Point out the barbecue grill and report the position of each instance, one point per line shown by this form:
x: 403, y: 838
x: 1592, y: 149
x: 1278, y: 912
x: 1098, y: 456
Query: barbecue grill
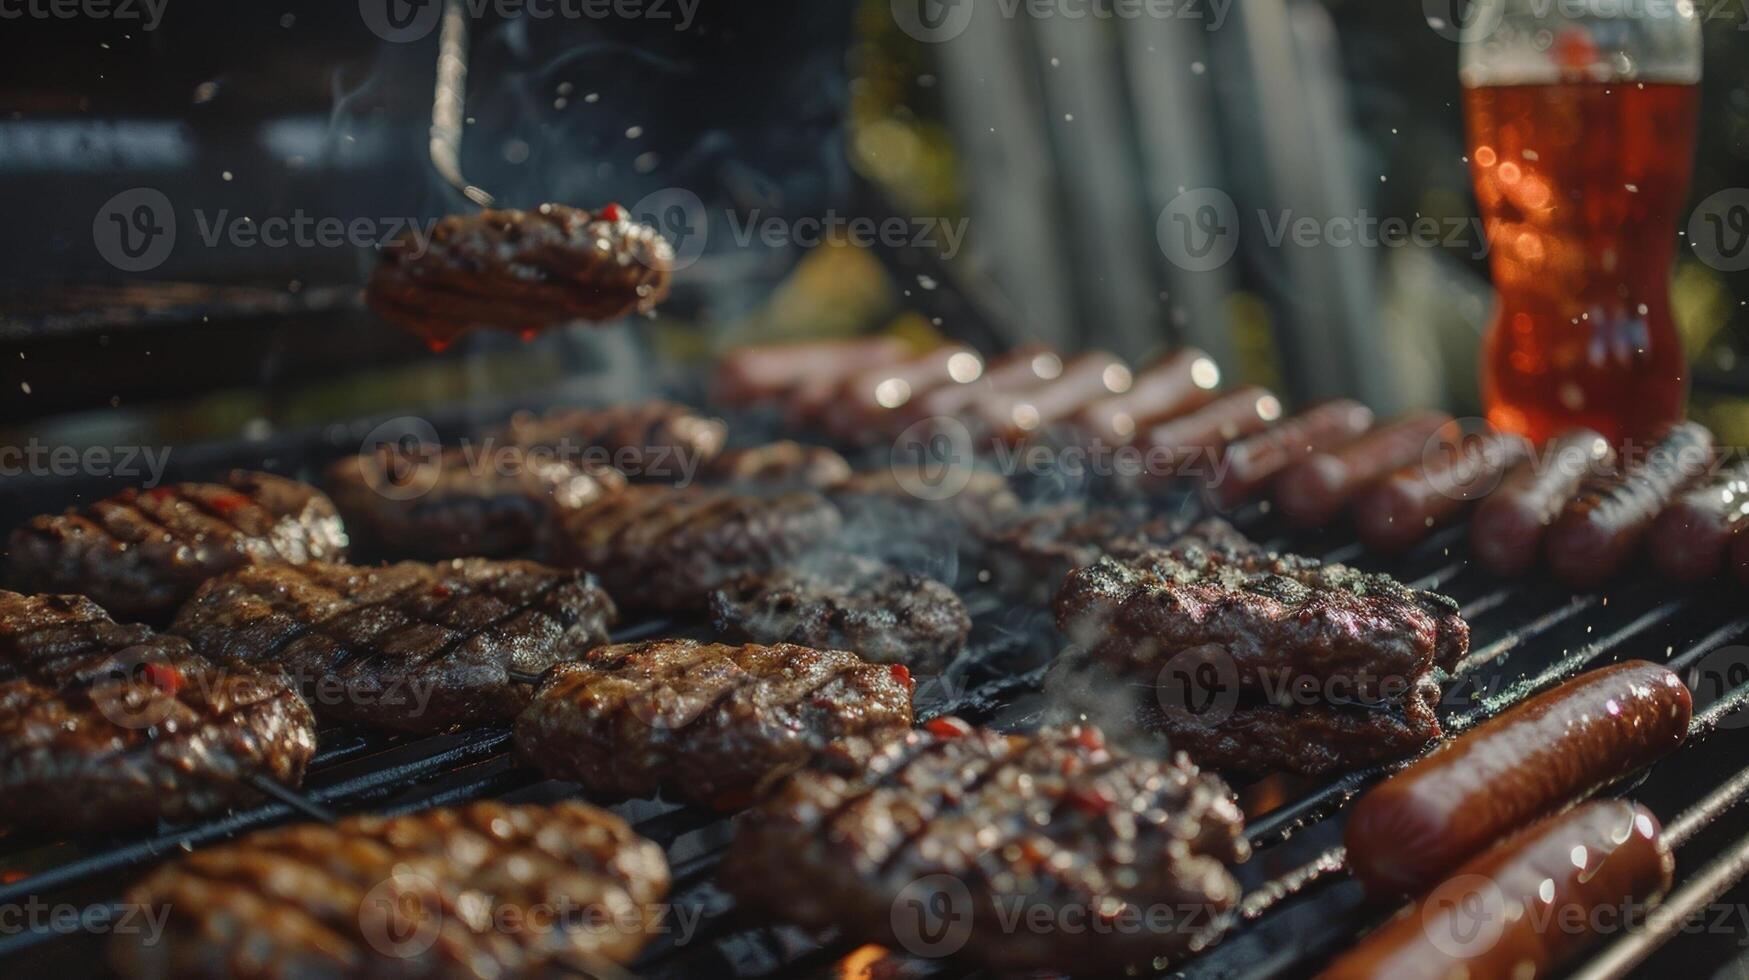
x: 1299, y: 908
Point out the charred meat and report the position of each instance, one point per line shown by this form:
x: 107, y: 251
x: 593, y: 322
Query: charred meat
x: 410, y: 647
x: 939, y: 840
x: 704, y: 722
x: 844, y: 602
x: 665, y: 549
x: 522, y: 271
x: 420, y: 896
x: 105, y: 726
x: 140, y: 553
x: 653, y: 441
x: 433, y: 503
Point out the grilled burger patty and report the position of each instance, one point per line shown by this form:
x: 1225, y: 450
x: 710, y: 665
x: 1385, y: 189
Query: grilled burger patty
x: 105, y: 726
x: 845, y: 602
x: 1273, y: 615
x: 940, y: 840
x: 521, y: 270
x: 410, y: 647
x: 140, y: 553
x: 493, y: 502
x: 484, y: 890
x: 652, y: 441
x: 1029, y: 556
x: 783, y: 464
x: 665, y: 549
x: 703, y: 722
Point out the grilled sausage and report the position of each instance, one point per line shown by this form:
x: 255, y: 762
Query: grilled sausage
x: 1507, y: 529
x: 1234, y: 415
x: 751, y: 375
x: 1508, y: 913
x: 1401, y: 509
x: 1415, y: 827
x: 1253, y: 461
x: 1601, y: 527
x: 1182, y: 382
x: 1313, y: 491
x: 1691, y: 538
x: 1085, y: 379
x: 862, y: 408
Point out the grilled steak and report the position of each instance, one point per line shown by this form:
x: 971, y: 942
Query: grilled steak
x: 654, y: 441
x: 105, y: 726
x: 1274, y: 615
x: 1028, y: 557
x: 1246, y: 731
x: 485, y: 890
x: 665, y: 549
x: 945, y: 840
x: 703, y: 722
x: 521, y: 271
x: 140, y: 553
x: 781, y: 465
x: 843, y: 602
x: 410, y: 647
x: 494, y: 502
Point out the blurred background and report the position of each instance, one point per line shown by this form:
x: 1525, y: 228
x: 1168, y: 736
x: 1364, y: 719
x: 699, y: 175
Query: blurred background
x: 995, y: 171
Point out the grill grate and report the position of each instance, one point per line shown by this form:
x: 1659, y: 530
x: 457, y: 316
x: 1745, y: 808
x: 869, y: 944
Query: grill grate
x: 1527, y: 637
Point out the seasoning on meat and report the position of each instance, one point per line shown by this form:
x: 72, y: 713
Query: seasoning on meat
x: 140, y: 553
x: 105, y: 726
x: 409, y: 647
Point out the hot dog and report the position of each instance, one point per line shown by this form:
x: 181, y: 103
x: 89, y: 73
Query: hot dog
x: 1402, y: 508
x: 1235, y: 415
x: 1313, y: 491
x: 1600, y: 528
x: 1252, y: 462
x: 1507, y: 530
x: 750, y: 375
x: 1086, y: 378
x: 1412, y: 829
x: 1691, y: 539
x: 862, y: 409
x: 1019, y: 369
x: 1511, y: 912
x: 1182, y: 382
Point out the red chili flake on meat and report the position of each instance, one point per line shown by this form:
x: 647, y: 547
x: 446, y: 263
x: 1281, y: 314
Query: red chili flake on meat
x: 613, y: 212
x: 160, y: 493
x: 948, y: 727
x: 903, y: 676
x: 1088, y: 800
x: 227, y: 503
x: 1091, y: 739
x: 440, y: 590
x: 163, y: 677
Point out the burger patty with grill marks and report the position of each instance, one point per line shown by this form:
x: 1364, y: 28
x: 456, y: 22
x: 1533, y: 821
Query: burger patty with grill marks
x: 704, y: 722
x: 664, y: 549
x: 141, y: 553
x: 105, y: 726
x: 850, y: 603
x: 453, y: 503
x: 936, y: 842
x: 410, y: 647
x: 484, y: 890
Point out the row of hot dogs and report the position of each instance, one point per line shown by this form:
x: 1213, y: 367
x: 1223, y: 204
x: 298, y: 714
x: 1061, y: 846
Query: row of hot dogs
x: 1584, y: 505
